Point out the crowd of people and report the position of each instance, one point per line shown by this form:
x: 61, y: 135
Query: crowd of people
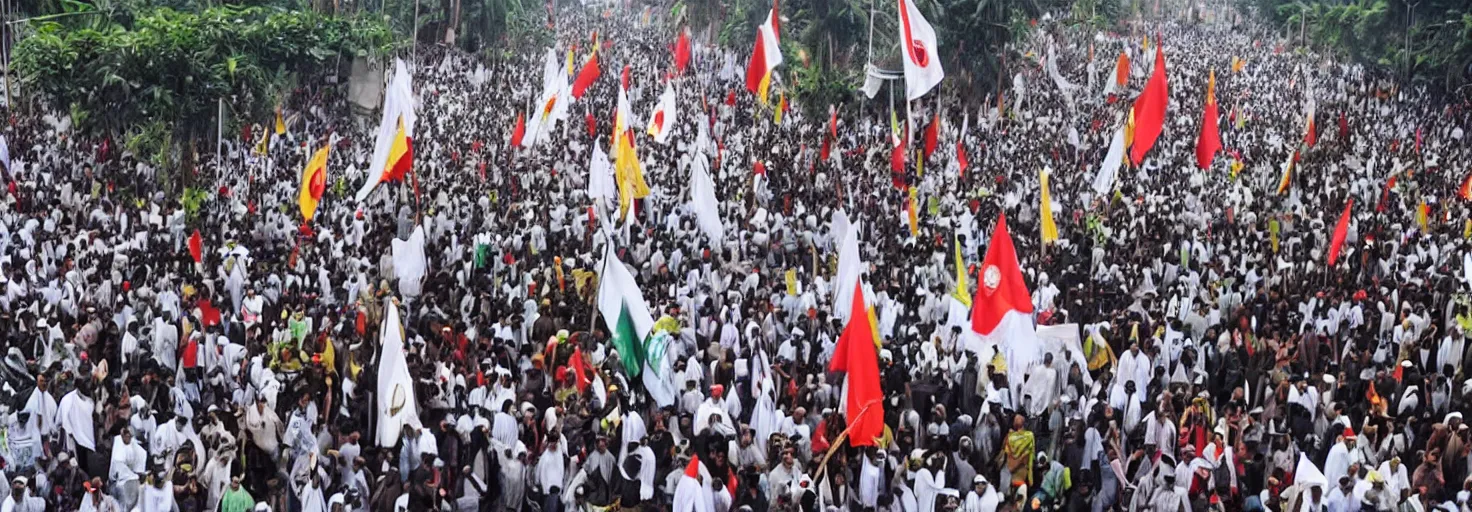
x: 441, y: 346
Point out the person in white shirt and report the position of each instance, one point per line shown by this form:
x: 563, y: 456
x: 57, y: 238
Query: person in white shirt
x: 97, y: 501
x: 20, y: 499
x: 74, y: 417
x: 128, y: 466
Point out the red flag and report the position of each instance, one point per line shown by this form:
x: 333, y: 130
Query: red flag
x: 1002, y: 289
x: 1465, y: 191
x: 592, y: 126
x: 759, y: 169
x: 777, y: 19
x: 932, y: 136
x: 961, y: 160
x: 1210, y: 140
x: 518, y: 132
x: 897, y: 157
x: 586, y: 77
x: 1310, y: 135
x: 827, y: 146
x: 857, y: 355
x: 623, y: 78
x: 209, y: 315
x: 1343, y: 127
x: 1340, y: 232
x: 682, y: 52
x: 1150, y: 109
x: 731, y: 98
x: 833, y: 122
x: 196, y: 247
x: 580, y: 368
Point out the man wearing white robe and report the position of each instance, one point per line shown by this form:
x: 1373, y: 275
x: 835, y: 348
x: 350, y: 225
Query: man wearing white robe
x: 982, y: 498
x: 74, y: 417
x: 929, y: 481
x: 1041, y: 387
x: 1341, y: 456
x: 871, y: 480
x: 43, y: 407
x: 128, y: 466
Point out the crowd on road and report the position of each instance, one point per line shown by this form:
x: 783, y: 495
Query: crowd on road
x: 447, y: 343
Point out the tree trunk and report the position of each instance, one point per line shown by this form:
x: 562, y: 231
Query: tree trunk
x: 452, y: 20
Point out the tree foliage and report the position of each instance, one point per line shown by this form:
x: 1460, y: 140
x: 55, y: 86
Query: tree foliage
x: 124, y: 72
x: 1429, y: 39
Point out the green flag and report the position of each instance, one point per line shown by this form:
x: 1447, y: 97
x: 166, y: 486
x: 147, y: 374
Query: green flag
x: 627, y: 342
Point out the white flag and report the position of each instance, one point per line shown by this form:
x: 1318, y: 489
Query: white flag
x: 922, y: 55
x: 601, y: 183
x: 1104, y: 181
x: 703, y: 200
x: 396, y: 405
x: 662, y: 121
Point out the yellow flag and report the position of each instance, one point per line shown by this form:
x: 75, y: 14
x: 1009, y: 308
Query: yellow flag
x: 914, y: 216
x: 1050, y: 230
x: 791, y: 277
x: 314, y: 184
x: 280, y: 122
x: 264, y: 145
x: 1237, y: 64
x: 1467, y: 229
x: 1273, y: 233
x: 766, y: 86
x: 1423, y: 216
x: 570, y: 63
x: 1129, y: 129
x: 781, y: 105
x: 963, y: 290
x: 628, y: 174
x: 1286, y: 181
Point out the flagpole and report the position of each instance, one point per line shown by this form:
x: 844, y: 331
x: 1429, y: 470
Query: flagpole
x: 602, y: 274
x: 219, y: 132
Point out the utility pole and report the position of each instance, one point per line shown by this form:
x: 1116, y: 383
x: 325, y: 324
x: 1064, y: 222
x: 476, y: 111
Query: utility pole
x: 6, y: 44
x: 414, y: 37
x: 1410, y: 19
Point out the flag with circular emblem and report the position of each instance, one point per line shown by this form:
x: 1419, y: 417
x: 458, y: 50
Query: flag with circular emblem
x: 314, y: 183
x: 922, y: 60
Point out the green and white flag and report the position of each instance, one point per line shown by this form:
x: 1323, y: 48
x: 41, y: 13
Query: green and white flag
x: 624, y: 312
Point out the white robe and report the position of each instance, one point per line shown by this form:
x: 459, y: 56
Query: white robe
x: 928, y: 487
x: 1337, y: 463
x: 74, y: 415
x: 690, y: 496
x: 983, y: 503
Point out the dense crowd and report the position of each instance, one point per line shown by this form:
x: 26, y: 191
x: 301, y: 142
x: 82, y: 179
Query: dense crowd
x: 1202, y: 353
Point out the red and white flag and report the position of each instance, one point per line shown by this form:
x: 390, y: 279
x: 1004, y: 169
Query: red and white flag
x: 922, y: 56
x: 767, y: 54
x: 1001, y: 315
x: 662, y: 120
